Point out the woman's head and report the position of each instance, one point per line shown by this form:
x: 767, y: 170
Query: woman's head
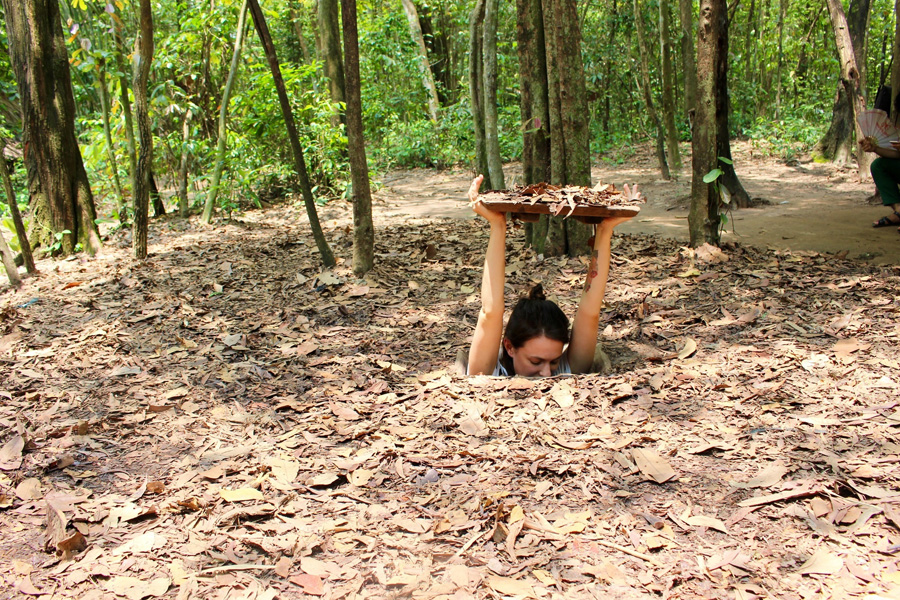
x: 536, y: 334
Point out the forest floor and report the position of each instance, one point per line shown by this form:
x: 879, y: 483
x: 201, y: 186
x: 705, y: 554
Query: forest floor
x: 228, y: 420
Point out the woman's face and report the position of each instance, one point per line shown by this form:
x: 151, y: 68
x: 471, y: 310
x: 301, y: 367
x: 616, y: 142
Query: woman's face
x: 537, y: 357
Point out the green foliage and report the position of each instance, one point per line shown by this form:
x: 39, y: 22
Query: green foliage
x: 786, y: 138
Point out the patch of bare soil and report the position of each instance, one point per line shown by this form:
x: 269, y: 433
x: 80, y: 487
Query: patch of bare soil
x: 802, y: 205
x: 227, y: 420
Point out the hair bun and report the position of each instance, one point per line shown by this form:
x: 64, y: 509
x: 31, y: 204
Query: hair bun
x: 537, y: 293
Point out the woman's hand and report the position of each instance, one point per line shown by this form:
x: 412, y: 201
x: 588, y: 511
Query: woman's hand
x: 493, y: 217
x: 632, y: 193
x: 867, y: 144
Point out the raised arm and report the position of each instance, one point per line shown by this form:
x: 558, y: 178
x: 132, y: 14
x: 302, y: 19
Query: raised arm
x: 868, y: 145
x: 489, y: 330
x: 583, y: 341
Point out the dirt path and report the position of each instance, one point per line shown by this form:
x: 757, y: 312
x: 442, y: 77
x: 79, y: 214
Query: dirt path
x: 812, y: 207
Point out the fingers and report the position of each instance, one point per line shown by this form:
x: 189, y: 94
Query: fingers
x: 632, y: 193
x: 473, y: 189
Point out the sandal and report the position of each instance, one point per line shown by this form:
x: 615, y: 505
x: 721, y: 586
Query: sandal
x: 886, y: 221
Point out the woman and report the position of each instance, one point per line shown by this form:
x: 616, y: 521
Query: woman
x: 536, y: 342
x: 886, y: 174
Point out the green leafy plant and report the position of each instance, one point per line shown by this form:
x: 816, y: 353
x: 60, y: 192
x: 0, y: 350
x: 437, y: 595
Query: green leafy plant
x: 724, y: 195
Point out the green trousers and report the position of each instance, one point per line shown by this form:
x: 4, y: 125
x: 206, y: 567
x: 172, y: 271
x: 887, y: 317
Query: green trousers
x: 886, y: 173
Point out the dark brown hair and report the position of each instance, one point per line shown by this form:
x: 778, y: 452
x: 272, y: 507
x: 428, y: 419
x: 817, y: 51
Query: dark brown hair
x: 535, y: 316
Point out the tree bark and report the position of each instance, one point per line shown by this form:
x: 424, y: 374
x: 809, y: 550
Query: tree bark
x: 688, y: 62
x: 330, y: 41
x: 143, y: 56
x: 851, y: 78
x: 668, y: 85
x: 837, y: 143
x: 476, y: 91
x: 533, y: 85
x: 895, y: 67
x: 491, y: 126
x: 21, y: 234
x: 363, y: 230
x: 704, y: 219
x: 61, y: 196
x: 299, y: 163
x: 183, y: 164
x: 213, y: 191
x: 9, y: 262
x: 412, y: 17
x: 570, y: 162
x: 120, y: 52
x: 110, y: 148
x: 298, y: 31
x: 647, y: 90
x: 782, y: 12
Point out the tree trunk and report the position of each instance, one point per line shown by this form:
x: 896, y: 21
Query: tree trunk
x: 223, y: 117
x: 491, y: 126
x: 330, y: 41
x: 298, y: 31
x: 647, y: 90
x: 782, y: 12
x: 668, y: 85
x: 9, y: 261
x: 688, y: 62
x: 120, y: 52
x: 363, y: 230
x: 895, y: 67
x: 183, y: 202
x: 851, y: 78
x: 143, y: 56
x: 476, y: 91
x: 412, y: 16
x: 27, y: 256
x: 837, y: 143
x: 704, y: 218
x: 110, y: 148
x: 61, y: 198
x: 533, y: 85
x: 570, y: 162
x: 299, y: 163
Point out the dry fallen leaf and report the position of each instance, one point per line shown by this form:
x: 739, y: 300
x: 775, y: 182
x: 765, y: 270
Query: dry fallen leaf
x: 652, y: 465
x: 511, y: 587
x: 709, y: 522
x: 822, y: 562
x: 241, y: 495
x: 11, y: 453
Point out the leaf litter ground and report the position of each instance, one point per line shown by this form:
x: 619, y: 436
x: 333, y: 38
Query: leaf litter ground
x: 226, y: 420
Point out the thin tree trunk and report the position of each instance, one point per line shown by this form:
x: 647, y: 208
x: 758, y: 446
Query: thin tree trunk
x: 782, y: 11
x: 895, y: 67
x: 412, y: 16
x: 668, y: 85
x: 491, y: 127
x: 647, y: 90
x: 213, y: 191
x: 330, y: 41
x: 27, y: 256
x: 120, y: 52
x: 850, y: 75
x: 568, y: 108
x: 110, y: 148
x: 688, y: 62
x: 363, y: 230
x: 534, y: 92
x: 183, y: 204
x: 61, y: 196
x: 704, y: 218
x: 9, y: 261
x: 299, y: 163
x: 837, y: 143
x: 143, y: 56
x: 298, y: 31
x: 476, y: 91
